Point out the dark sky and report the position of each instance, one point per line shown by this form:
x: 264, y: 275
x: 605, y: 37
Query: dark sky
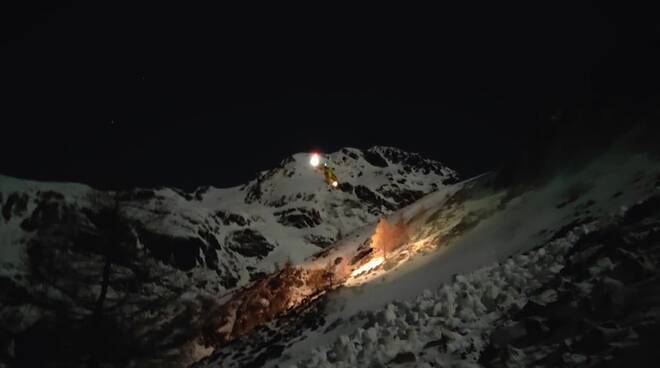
x: 151, y: 96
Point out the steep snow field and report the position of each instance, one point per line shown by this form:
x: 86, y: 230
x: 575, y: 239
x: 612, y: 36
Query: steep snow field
x: 175, y: 255
x: 237, y: 234
x: 472, y: 256
x: 466, y: 229
x: 458, y: 316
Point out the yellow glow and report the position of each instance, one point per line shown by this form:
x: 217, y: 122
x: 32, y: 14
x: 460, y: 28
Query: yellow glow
x: 375, y: 262
x: 334, y: 184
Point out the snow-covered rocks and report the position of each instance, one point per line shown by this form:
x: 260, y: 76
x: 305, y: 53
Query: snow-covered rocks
x: 286, y: 213
x: 601, y: 305
x: 451, y: 325
x: 174, y: 253
x: 470, y: 227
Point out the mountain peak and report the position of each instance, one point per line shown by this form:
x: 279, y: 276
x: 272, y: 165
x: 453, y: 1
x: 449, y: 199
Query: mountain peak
x: 211, y: 241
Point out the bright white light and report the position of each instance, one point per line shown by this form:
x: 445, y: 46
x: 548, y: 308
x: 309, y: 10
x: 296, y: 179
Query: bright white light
x: 315, y: 160
x: 373, y: 263
x: 334, y: 184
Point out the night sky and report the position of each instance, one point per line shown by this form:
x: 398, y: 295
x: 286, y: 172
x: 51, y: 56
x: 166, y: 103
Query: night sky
x: 150, y: 96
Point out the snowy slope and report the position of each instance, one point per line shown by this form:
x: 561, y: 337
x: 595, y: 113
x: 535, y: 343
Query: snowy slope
x: 17, y: 199
x: 288, y: 211
x: 295, y: 211
x: 203, y: 274
x: 174, y: 253
x: 389, y: 314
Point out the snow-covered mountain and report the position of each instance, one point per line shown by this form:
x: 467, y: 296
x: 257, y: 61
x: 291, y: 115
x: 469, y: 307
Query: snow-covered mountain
x: 171, y: 253
x: 401, y: 266
x: 486, y: 276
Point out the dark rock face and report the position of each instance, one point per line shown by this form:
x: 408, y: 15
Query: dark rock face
x: 16, y: 205
x: 451, y: 180
x: 138, y: 195
x: 45, y: 213
x: 363, y: 253
x: 280, y: 202
x: 232, y: 218
x: 210, y: 255
x: 286, y: 161
x: 49, y: 195
x: 187, y: 196
x: 642, y: 210
x: 199, y: 192
x: 249, y: 243
x: 402, y: 197
x: 253, y: 193
x: 52, y: 212
x: 182, y: 253
x: 604, y: 294
x: 404, y: 357
x: 350, y: 154
x: 254, y: 190
x: 228, y: 281
x: 439, y: 343
x: 375, y: 159
x: 363, y: 193
x: 299, y: 217
x: 409, y: 160
x: 320, y: 241
x: 346, y: 187
x: 373, y: 199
